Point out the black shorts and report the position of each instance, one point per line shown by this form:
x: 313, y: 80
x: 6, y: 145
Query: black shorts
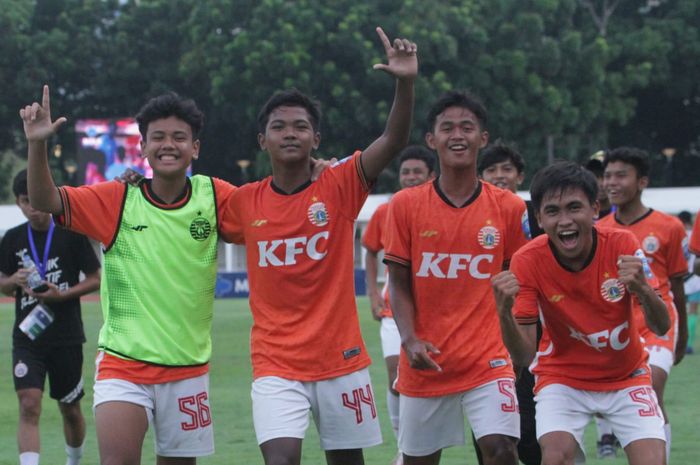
x: 64, y: 365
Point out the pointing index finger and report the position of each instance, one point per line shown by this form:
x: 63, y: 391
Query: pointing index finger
x: 45, y: 102
x: 384, y: 39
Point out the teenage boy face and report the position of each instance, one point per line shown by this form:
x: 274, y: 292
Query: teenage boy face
x: 457, y: 137
x: 32, y: 215
x: 289, y: 135
x: 567, y: 217
x: 169, y: 147
x: 413, y: 172
x: 503, y: 174
x: 621, y: 182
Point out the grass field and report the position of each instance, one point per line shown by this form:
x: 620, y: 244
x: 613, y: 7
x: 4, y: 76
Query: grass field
x: 230, y: 398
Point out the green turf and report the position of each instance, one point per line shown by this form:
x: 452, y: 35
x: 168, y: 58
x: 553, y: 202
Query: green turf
x: 230, y: 397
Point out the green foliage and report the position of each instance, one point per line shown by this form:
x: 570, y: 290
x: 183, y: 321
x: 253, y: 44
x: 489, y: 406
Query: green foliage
x: 546, y: 69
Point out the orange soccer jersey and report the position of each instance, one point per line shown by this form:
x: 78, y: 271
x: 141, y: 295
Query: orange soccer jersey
x: 300, y: 256
x: 662, y: 237
x: 373, y: 240
x: 590, y: 339
x: 452, y: 253
x: 95, y: 211
x: 695, y: 236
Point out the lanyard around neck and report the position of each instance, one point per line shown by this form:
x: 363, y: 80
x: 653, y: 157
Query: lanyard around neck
x: 41, y: 266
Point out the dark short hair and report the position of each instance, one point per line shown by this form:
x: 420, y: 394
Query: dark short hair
x: 632, y: 156
x: 290, y: 98
x: 498, y: 152
x: 19, y: 184
x: 457, y: 99
x: 561, y: 176
x: 167, y: 105
x: 685, y: 217
x: 418, y: 152
x: 595, y: 166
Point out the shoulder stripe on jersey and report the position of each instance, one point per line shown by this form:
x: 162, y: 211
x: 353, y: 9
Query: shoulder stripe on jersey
x: 66, y: 208
x: 107, y: 247
x: 398, y: 260
x: 361, y: 172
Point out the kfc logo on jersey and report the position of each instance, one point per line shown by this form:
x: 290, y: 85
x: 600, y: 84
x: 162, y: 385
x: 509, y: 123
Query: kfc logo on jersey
x: 489, y: 237
x: 612, y: 290
x: 606, y: 338
x: 650, y: 244
x: 446, y: 265
x: 318, y: 215
x: 290, y: 249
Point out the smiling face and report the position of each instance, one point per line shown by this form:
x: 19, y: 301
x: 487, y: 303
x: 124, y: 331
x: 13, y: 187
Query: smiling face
x: 622, y: 184
x: 567, y: 216
x: 413, y: 172
x: 504, y: 175
x: 457, y: 138
x: 169, y: 146
x: 289, y: 135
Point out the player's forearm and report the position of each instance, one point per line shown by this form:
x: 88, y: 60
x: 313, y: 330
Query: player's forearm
x: 679, y: 301
x: 521, y: 348
x: 43, y: 194
x: 401, y: 301
x: 655, y: 311
x: 371, y: 266
x: 696, y: 267
x: 7, y: 285
x: 396, y: 133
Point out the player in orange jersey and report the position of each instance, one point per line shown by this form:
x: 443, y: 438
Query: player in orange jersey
x: 581, y: 281
x: 445, y: 239
x: 306, y: 347
x: 416, y: 166
x: 694, y: 245
x: 663, y: 241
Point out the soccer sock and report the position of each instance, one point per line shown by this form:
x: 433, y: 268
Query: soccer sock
x: 692, y: 323
x: 603, y: 427
x: 74, y: 454
x: 667, y: 432
x: 29, y: 458
x: 392, y: 402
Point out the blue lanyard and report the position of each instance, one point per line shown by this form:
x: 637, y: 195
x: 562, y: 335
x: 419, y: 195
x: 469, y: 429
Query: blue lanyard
x: 41, y: 266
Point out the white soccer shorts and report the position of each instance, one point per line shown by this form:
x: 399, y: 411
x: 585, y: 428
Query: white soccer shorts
x: 390, y: 337
x: 343, y: 409
x: 178, y: 411
x: 429, y: 424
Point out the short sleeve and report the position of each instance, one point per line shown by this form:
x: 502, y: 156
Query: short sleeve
x: 352, y: 186
x: 526, y: 308
x: 230, y: 228
x: 8, y: 259
x: 677, y: 259
x: 93, y: 210
x: 372, y: 237
x: 694, y: 244
x: 397, y: 234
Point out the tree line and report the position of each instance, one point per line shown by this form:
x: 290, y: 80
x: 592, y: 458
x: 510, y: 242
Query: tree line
x: 561, y: 78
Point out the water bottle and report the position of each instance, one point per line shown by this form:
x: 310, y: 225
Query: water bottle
x: 34, y: 280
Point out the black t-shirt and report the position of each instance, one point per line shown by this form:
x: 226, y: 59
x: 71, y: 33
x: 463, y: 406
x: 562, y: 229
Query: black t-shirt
x: 69, y: 254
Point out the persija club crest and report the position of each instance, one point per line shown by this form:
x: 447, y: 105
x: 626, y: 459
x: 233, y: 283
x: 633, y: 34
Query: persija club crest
x: 650, y: 244
x: 489, y: 237
x: 317, y: 213
x: 612, y: 290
